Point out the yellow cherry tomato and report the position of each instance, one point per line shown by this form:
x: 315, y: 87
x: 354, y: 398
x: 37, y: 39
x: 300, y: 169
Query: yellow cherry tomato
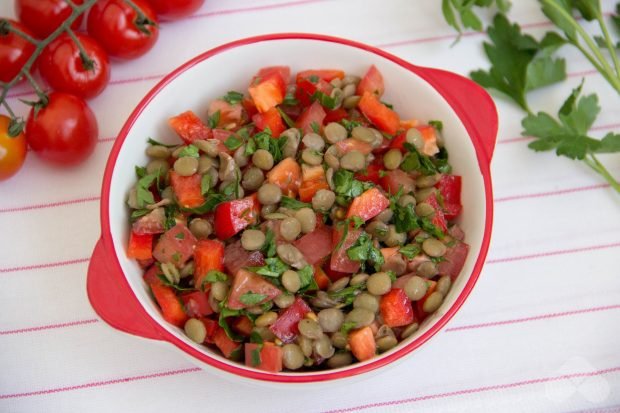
x: 12, y: 150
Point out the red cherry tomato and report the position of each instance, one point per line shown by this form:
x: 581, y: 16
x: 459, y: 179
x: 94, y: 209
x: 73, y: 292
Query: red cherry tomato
x: 175, y: 9
x: 44, y: 16
x: 112, y: 24
x: 62, y: 68
x: 12, y: 150
x: 63, y: 132
x: 14, y: 52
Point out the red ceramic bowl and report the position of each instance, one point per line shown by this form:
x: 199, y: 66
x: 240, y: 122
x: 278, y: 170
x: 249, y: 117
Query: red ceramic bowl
x: 115, y: 286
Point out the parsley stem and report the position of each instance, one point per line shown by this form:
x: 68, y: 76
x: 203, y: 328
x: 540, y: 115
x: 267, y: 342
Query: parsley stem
x: 610, y: 44
x: 608, y: 75
x: 599, y: 168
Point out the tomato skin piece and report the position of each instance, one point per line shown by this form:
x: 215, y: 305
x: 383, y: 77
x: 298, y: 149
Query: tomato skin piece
x: 187, y: 189
x: 111, y: 23
x: 287, y: 175
x: 335, y: 115
x: 245, y: 282
x: 267, y: 90
x: 454, y: 260
x: 229, y: 348
x: 449, y: 187
x: 285, y: 327
x: 270, y: 356
x: 316, y: 245
x: 283, y: 71
x: 270, y: 119
x: 175, y: 9
x: 396, y: 309
x: 392, y: 181
x: 439, y: 219
x: 371, y: 173
x: 62, y: 68
x: 196, y: 304
x: 384, y: 118
x: 175, y: 246
x: 140, y: 246
x: 362, y: 343
x: 340, y: 261
x: 12, y: 150
x: 368, y: 205
x: 312, y: 114
x: 326, y: 74
x: 229, y: 114
x: 189, y: 127
x: 169, y: 303
x: 42, y: 17
x: 14, y: 52
x: 372, y: 82
x: 208, y: 255
x: 64, y: 132
x: 233, y: 216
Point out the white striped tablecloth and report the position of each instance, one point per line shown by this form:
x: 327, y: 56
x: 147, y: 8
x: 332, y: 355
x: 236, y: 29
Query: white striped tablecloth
x: 540, y: 333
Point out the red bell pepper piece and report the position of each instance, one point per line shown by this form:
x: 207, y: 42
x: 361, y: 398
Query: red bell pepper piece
x: 372, y: 82
x: 268, y: 90
x: 312, y: 115
x: 169, y: 303
x: 196, y: 304
x: 211, y: 326
x: 187, y: 189
x: 267, y: 357
x: 371, y: 173
x: 208, y: 255
x: 396, y: 309
x: 368, y: 205
x: 243, y: 325
x: 380, y: 115
x: 362, y: 343
x: 285, y: 327
x: 335, y: 115
x: 140, y: 246
x: 322, y: 280
x: 189, y: 127
x: 450, y: 189
x: 229, y: 348
x: 270, y: 119
x: 233, y: 216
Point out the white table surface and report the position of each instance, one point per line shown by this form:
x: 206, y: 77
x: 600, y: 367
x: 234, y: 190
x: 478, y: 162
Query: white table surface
x: 540, y: 332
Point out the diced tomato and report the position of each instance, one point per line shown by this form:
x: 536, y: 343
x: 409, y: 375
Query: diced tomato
x: 307, y: 87
x: 140, y: 246
x: 187, y: 189
x: 211, y: 326
x: 326, y: 74
x: 243, y: 325
x: 283, y: 71
x: 372, y: 82
x: 152, y: 275
x: 322, y: 280
x: 267, y: 90
x: 392, y: 181
x: 362, y: 343
x: 378, y: 114
x: 270, y: 119
x: 312, y: 115
x: 267, y: 357
x: 237, y: 257
x: 368, y: 205
x: 450, y: 189
x: 350, y: 144
x: 287, y: 175
x: 285, y: 327
x: 169, y: 303
x: 439, y: 220
x: 340, y: 261
x: 196, y: 304
x: 332, y: 274
x: 249, y: 106
x: 176, y: 246
x: 189, y: 127
x: 247, y: 282
x: 371, y: 173
x: 316, y: 245
x: 396, y: 309
x: 432, y: 286
x: 389, y: 252
x: 335, y: 115
x: 429, y: 135
x: 208, y: 256
x: 229, y: 348
x: 398, y: 142
x: 229, y: 114
x: 233, y: 216
x: 454, y: 260
x: 313, y: 181
x: 221, y: 135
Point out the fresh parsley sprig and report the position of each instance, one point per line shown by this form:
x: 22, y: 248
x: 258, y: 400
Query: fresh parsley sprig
x: 460, y: 13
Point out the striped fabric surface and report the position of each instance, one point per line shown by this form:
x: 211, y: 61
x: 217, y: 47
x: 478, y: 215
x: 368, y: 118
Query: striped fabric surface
x: 540, y: 333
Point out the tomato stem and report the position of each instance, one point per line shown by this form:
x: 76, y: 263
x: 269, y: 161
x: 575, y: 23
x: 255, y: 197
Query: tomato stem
x: 141, y: 21
x: 87, y: 62
x: 43, y: 99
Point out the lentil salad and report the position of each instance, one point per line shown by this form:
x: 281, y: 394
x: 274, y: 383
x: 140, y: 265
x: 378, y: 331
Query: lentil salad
x: 304, y: 226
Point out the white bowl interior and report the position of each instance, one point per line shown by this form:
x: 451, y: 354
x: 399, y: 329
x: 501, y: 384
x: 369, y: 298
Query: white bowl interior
x: 232, y: 69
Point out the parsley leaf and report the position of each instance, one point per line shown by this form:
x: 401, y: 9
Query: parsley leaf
x: 140, y: 171
x: 348, y: 326
x: 269, y: 247
x: 255, y: 355
x: 205, y: 184
x: 292, y: 203
x: 306, y: 275
x: 171, y: 212
x: 189, y: 150
x: 251, y: 298
x: 143, y: 194
x: 139, y: 213
x: 346, y: 185
x: 289, y: 122
x: 214, y: 120
x: 264, y: 140
x: 437, y: 124
x: 364, y: 250
x: 157, y: 143
x: 347, y: 295
x: 233, y: 97
x: 290, y: 100
x: 233, y: 142
x: 410, y: 250
x: 349, y: 125
x: 213, y: 276
x: 274, y: 267
x: 316, y: 128
x: 519, y: 63
x: 225, y: 313
x: 211, y: 202
x: 459, y: 13
x: 325, y: 101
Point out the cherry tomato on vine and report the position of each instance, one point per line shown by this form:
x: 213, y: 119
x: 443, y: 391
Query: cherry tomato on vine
x: 12, y: 150
x: 62, y: 67
x: 44, y: 16
x: 14, y: 51
x: 113, y: 24
x: 64, y: 131
x: 175, y: 9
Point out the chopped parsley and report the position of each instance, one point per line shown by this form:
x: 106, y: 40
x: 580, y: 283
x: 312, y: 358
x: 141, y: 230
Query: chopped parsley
x: 316, y: 128
x: 144, y: 195
x: 364, y: 250
x: 157, y: 143
x: 274, y: 267
x: 348, y: 326
x: 233, y: 97
x: 214, y: 120
x: 410, y: 250
x: 205, y: 184
x: 269, y: 247
x: 233, y: 142
x: 350, y: 124
x: 437, y: 124
x: 346, y: 185
x: 292, y: 203
x: 289, y: 122
x: 251, y: 298
x: 211, y: 202
x: 189, y: 150
x: 306, y: 275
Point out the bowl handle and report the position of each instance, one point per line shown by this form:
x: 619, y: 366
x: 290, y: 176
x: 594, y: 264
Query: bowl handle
x: 112, y: 298
x: 473, y: 105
